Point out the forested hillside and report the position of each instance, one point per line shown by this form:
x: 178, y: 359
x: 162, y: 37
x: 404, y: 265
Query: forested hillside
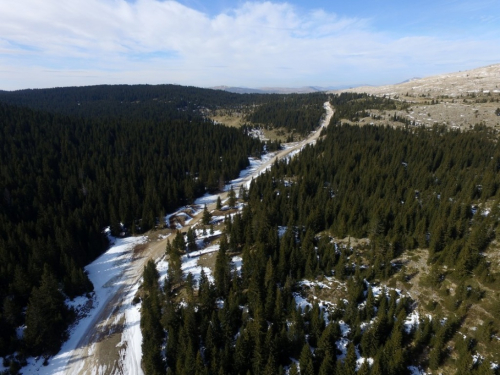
x: 64, y: 179
x: 299, y: 113
x: 169, y: 102
x: 144, y: 102
x: 402, y: 189
x: 295, y: 113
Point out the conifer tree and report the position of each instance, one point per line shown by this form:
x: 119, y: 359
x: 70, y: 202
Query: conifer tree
x: 436, y: 353
x: 179, y: 243
x: 232, y: 197
x: 377, y: 368
x: 328, y: 365
x: 306, y: 361
x: 222, y: 272
x: 207, y: 216
x: 45, y: 316
x: 364, y: 369
x: 464, y: 363
x: 174, y: 271
x: 200, y: 368
x: 150, y: 324
x: 294, y: 370
x: 191, y: 240
x: 350, y: 360
x: 243, y: 194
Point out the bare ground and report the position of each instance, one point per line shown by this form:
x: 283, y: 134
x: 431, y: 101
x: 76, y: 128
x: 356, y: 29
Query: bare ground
x: 454, y: 85
x: 457, y: 100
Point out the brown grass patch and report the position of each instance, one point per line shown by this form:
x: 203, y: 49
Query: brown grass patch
x: 235, y: 120
x: 278, y: 134
x: 208, y: 260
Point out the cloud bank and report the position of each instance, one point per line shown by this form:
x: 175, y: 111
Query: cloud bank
x: 83, y: 42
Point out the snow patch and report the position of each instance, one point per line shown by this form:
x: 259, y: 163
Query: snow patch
x: 301, y: 301
x: 477, y: 358
x: 237, y: 262
x: 361, y: 360
x: 282, y: 231
x: 311, y: 284
x: 344, y: 328
x: 416, y: 370
x: 131, y: 340
x: 411, y: 321
x: 342, y: 347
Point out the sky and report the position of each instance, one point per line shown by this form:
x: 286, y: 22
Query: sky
x: 54, y: 43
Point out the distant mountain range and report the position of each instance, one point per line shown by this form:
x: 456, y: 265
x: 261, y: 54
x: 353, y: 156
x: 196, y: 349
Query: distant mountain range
x: 483, y: 79
x: 280, y: 90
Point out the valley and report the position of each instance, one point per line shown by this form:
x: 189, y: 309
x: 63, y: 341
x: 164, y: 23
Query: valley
x: 249, y: 187
x: 368, y: 246
x: 108, y: 340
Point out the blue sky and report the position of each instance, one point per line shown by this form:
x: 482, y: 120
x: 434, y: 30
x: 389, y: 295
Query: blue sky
x: 242, y: 43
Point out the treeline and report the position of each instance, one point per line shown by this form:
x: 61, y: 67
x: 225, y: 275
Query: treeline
x: 63, y: 180
x: 159, y: 102
x: 297, y: 113
x: 353, y: 107
x: 139, y: 102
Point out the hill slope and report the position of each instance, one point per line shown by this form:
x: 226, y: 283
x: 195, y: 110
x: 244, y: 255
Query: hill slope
x: 457, y: 100
x: 480, y: 80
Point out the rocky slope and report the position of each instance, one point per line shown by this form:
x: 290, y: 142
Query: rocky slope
x: 484, y: 80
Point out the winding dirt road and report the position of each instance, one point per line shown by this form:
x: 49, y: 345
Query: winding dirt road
x: 102, y: 349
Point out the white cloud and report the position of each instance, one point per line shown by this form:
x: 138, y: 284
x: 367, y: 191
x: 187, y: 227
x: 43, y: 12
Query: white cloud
x: 85, y: 42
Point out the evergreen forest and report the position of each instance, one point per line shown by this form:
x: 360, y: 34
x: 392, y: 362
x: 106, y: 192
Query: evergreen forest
x: 76, y: 160
x: 406, y: 190
x: 295, y: 113
x: 171, y: 102
x: 373, y: 251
